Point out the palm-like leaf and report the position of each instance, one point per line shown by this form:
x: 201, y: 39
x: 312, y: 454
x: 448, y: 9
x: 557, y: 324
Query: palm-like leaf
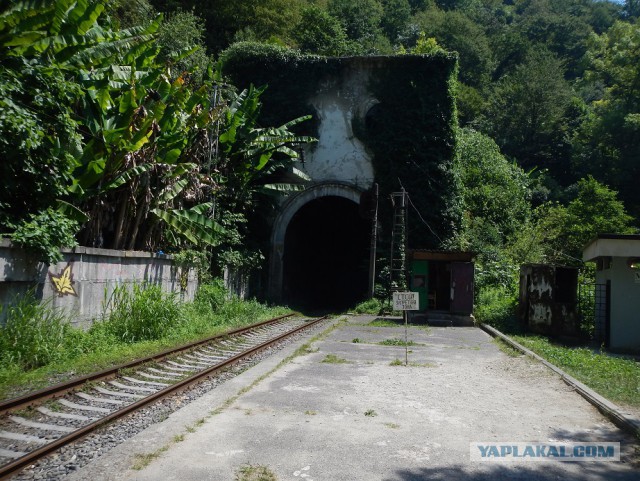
x: 192, y: 225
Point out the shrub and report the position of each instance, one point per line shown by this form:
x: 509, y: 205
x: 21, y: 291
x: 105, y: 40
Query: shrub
x: 370, y: 306
x: 141, y: 313
x: 45, y: 233
x: 212, y: 295
x: 496, y: 306
x: 34, y: 333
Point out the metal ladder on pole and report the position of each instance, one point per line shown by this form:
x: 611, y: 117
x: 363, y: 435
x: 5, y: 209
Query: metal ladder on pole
x: 397, y: 260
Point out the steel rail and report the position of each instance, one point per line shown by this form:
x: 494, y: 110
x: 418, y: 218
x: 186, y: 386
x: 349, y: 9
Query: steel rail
x: 59, y: 390
x: 19, y: 464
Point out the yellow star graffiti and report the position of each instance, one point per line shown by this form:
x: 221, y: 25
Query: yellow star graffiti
x: 63, y: 284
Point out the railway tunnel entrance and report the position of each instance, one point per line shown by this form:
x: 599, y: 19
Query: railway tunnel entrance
x: 326, y: 255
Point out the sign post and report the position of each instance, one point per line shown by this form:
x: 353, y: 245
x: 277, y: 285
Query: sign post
x: 405, y: 301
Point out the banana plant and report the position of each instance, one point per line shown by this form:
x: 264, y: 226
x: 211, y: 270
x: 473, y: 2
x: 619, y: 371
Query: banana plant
x: 143, y: 173
x: 252, y: 155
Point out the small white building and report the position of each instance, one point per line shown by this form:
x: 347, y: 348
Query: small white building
x: 617, y: 259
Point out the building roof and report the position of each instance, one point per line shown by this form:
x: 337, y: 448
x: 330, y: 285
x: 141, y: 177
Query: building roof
x: 612, y: 245
x: 441, y: 255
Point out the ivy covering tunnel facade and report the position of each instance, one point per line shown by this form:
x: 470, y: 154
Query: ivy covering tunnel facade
x: 409, y: 131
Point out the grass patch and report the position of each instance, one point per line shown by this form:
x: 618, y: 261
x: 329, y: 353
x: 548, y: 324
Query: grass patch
x: 370, y: 413
x: 333, y: 359
x: 396, y: 362
x: 356, y: 341
x: 506, y: 348
x: 392, y: 425
x: 141, y: 461
x: 33, y: 335
x: 616, y: 378
x: 310, y: 413
x: 49, y: 350
x: 396, y: 342
x: 255, y: 473
x: 370, y: 306
x: 305, y: 349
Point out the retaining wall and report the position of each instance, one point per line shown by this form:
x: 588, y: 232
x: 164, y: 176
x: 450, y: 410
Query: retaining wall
x: 86, y: 277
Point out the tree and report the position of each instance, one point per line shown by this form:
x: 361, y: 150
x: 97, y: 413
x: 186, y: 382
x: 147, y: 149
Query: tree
x: 527, y: 113
x: 494, y: 188
x: 457, y: 32
x: 43, y: 46
x: 140, y: 159
x: 318, y: 32
x: 182, y: 32
x: 558, y: 233
x: 361, y: 20
x: 228, y: 21
x: 561, y: 27
x: 596, y: 210
x: 632, y: 8
x: 607, y: 142
x: 396, y: 14
x: 496, y: 204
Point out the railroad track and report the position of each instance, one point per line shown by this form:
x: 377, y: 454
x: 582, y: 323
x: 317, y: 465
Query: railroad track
x: 37, y: 424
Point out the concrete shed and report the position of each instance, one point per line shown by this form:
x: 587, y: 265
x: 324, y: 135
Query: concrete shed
x: 444, y: 281
x: 617, y: 259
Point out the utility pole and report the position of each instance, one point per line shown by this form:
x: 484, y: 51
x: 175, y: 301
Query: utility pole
x: 374, y: 243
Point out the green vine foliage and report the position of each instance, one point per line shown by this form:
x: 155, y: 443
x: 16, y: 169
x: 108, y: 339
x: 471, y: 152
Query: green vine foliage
x: 411, y: 131
x: 412, y: 134
x: 200, y: 260
x: 44, y: 233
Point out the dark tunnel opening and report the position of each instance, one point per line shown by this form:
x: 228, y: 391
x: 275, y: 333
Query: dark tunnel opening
x: 326, y: 256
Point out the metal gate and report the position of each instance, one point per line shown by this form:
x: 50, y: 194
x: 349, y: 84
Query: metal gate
x: 593, y: 310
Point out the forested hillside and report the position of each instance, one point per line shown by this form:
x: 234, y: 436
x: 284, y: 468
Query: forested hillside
x: 117, y: 130
x: 548, y: 100
x: 554, y: 83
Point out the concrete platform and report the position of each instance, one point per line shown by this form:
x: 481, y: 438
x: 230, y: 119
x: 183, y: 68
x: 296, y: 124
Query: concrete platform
x: 369, y: 419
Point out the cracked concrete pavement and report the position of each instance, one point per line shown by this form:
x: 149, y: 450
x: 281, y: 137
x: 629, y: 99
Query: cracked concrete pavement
x: 363, y: 417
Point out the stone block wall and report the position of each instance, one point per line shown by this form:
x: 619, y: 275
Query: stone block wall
x: 86, y: 277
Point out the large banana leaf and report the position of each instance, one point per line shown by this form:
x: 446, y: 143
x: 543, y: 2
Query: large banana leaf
x: 193, y: 226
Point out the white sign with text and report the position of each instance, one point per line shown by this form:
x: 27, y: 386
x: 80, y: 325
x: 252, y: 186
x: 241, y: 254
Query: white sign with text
x: 405, y: 301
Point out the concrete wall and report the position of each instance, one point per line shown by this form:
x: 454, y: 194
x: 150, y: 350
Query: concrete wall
x: 541, y: 308
x: 339, y: 155
x: 625, y: 304
x: 85, y: 277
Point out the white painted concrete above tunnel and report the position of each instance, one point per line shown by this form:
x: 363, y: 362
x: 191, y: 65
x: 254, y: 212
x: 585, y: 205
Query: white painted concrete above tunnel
x: 339, y: 155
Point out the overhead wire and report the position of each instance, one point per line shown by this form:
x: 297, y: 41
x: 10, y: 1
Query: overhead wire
x: 418, y: 212
x: 422, y: 218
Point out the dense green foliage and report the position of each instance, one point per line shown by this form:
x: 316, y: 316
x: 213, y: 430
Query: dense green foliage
x: 125, y: 133
x: 423, y: 153
x: 107, y: 107
x: 33, y: 334
x: 38, y: 342
x: 550, y: 82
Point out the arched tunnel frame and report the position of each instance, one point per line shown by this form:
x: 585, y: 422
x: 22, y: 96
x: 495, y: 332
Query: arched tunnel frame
x: 281, y: 224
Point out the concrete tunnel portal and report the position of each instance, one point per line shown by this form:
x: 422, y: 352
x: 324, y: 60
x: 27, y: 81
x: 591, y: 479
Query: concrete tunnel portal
x: 326, y: 255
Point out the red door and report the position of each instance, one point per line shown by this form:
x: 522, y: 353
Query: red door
x: 462, y: 287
